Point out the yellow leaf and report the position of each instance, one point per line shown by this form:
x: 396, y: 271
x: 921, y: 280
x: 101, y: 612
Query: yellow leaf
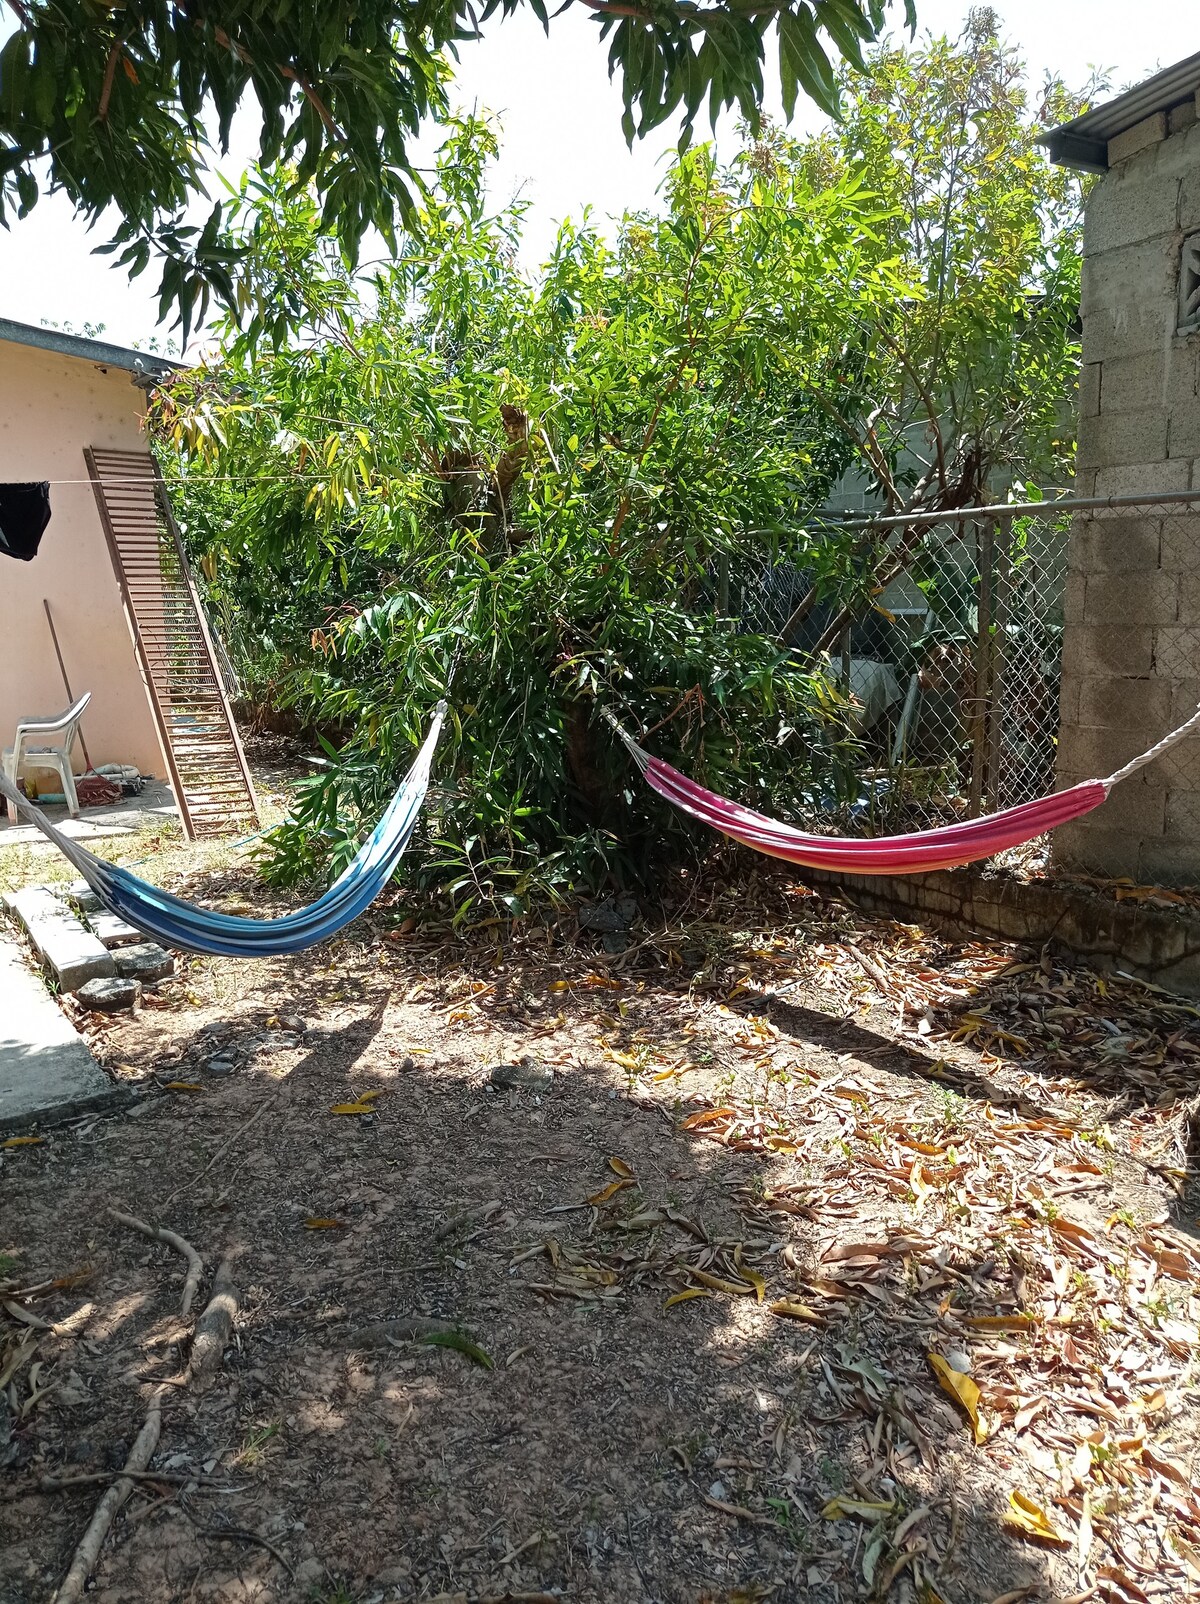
x: 962, y: 1389
x: 607, y: 1192
x: 184, y: 1086
x: 756, y: 1281
x: 378, y: 1091
x: 560, y: 985
x: 739, y: 1289
x: 317, y: 1224
x: 791, y: 1310
x: 22, y: 1141
x: 352, y: 1108
x: 1031, y: 1519
x: 837, y: 1508
x: 686, y: 1297
x: 619, y: 1167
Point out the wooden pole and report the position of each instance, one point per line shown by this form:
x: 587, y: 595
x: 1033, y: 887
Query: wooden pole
x: 62, y: 668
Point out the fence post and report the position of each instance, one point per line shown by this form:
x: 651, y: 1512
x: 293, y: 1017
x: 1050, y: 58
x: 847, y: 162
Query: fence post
x: 998, y: 665
x: 984, y: 543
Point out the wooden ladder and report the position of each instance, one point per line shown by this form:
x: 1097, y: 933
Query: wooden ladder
x: 208, y: 771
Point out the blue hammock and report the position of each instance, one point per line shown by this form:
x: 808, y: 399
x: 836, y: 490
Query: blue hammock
x: 177, y: 923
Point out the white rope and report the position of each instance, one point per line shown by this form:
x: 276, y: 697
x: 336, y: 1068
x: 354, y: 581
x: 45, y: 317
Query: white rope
x: 641, y: 758
x: 1164, y: 745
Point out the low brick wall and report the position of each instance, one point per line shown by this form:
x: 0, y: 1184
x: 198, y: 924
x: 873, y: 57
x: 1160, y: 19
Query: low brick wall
x: 1156, y: 944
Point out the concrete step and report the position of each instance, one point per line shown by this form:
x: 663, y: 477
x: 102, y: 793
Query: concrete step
x: 111, y: 931
x: 47, y: 1073
x: 73, y: 954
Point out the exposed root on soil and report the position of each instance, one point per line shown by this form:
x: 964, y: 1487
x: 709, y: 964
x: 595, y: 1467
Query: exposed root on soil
x: 87, y: 1552
x: 159, y: 1233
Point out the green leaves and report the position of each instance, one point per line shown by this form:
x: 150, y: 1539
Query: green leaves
x: 111, y: 103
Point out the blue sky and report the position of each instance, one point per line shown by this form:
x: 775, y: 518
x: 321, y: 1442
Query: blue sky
x: 563, y: 147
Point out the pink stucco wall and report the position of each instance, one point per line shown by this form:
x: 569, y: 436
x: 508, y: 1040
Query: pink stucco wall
x: 51, y: 407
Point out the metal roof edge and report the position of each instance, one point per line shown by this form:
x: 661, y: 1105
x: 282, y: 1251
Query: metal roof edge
x: 99, y: 352
x: 1083, y: 142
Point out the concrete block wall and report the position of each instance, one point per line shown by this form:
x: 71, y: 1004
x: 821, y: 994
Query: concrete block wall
x: 1131, y: 649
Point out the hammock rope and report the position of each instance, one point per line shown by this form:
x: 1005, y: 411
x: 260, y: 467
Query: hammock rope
x: 178, y: 923
x: 944, y: 847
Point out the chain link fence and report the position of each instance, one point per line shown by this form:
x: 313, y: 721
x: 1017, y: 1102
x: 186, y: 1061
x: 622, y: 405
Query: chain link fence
x: 956, y: 676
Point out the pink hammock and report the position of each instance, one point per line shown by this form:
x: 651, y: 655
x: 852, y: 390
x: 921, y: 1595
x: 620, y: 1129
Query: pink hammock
x: 944, y: 848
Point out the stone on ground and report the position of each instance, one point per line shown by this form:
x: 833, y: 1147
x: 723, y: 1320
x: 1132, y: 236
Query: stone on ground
x: 109, y: 996
x: 58, y: 938
x: 47, y: 1073
x: 145, y: 962
x: 527, y: 1076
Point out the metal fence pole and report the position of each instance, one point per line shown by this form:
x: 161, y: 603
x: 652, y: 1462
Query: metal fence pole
x: 998, y: 664
x: 984, y: 543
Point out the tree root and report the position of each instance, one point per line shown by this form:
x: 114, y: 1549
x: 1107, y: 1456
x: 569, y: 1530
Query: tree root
x: 215, y: 1326
x: 87, y: 1552
x: 158, y: 1233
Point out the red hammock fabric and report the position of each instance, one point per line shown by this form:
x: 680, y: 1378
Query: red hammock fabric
x: 944, y: 848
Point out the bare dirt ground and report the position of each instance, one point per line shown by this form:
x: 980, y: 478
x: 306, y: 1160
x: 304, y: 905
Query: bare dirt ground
x: 829, y: 1260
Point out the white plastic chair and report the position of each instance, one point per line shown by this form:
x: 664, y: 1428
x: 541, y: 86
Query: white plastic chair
x: 45, y: 743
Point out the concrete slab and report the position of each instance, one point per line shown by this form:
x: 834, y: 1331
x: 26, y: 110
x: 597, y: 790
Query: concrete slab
x: 110, y: 931
x: 59, y: 939
x: 155, y: 806
x: 47, y: 1074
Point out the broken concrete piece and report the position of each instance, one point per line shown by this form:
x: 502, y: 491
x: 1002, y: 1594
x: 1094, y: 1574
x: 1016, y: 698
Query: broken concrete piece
x: 59, y: 939
x: 145, y: 962
x: 47, y: 1073
x: 109, y: 996
x: 84, y: 898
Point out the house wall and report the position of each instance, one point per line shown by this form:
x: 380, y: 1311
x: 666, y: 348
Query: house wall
x: 51, y: 407
x: 1131, y: 648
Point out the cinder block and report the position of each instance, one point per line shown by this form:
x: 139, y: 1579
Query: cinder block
x: 1151, y: 599
x: 1125, y: 704
x: 1174, y: 157
x: 1115, y: 545
x: 1074, y: 598
x: 1182, y: 821
x: 58, y: 938
x: 1180, y: 118
x: 1189, y: 202
x: 1130, y: 205
x: 1088, y: 649
x: 1127, y: 276
x: 1119, y: 438
x: 1136, y: 809
x: 1179, y: 543
x: 1093, y: 851
x: 1177, y: 651
x: 1183, y: 432
x: 1134, y: 328
x: 1089, y: 389
x: 1169, y: 863
x: 1185, y: 697
x: 1144, y: 479
x: 1133, y: 382
x: 1151, y: 130
x: 1189, y: 602
x: 1178, y: 769
x: 1095, y: 753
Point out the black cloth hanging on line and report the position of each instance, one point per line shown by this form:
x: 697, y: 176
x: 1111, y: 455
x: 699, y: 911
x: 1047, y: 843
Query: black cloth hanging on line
x: 24, y: 514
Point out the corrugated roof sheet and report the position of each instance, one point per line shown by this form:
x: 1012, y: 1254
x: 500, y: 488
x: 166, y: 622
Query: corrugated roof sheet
x: 97, y: 351
x: 1084, y: 141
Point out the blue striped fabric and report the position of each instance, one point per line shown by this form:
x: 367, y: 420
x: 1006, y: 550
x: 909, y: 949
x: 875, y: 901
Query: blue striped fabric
x: 176, y: 923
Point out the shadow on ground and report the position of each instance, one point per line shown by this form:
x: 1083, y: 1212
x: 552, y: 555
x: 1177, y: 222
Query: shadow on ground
x: 620, y: 1446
